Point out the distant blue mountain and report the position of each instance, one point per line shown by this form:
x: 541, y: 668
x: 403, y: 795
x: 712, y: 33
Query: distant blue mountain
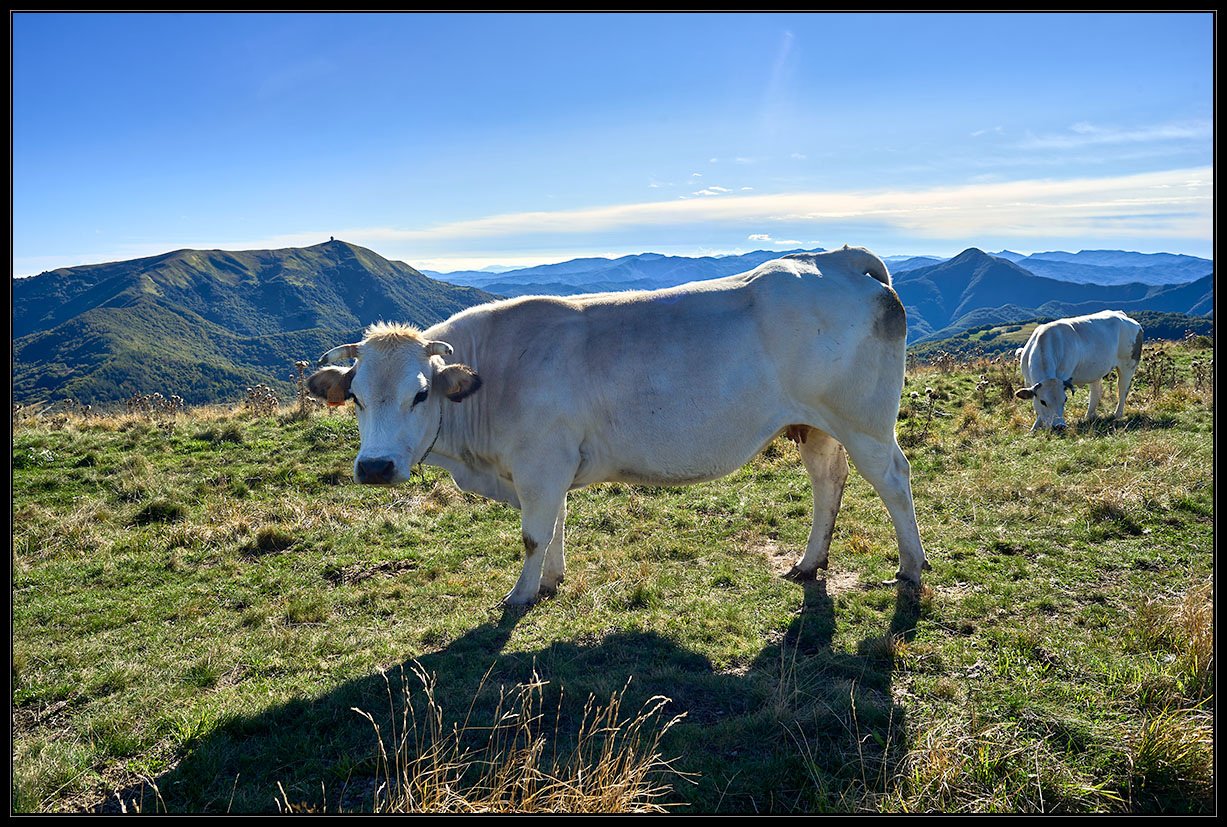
x: 941, y: 296
x: 1113, y: 266
x: 644, y: 271
x: 901, y: 264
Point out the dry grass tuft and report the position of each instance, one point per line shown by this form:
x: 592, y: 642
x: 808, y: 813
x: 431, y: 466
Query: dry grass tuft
x: 1185, y: 628
x: 518, y: 764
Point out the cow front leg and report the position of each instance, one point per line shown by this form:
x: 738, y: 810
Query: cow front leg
x: 826, y: 462
x: 542, y: 517
x: 554, y: 567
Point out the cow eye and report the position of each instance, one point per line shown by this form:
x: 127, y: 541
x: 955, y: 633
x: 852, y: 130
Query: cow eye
x: 350, y: 395
x: 1042, y: 402
x: 421, y: 396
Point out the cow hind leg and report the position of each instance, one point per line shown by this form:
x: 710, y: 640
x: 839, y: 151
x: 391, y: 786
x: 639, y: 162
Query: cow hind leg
x: 826, y: 462
x: 1124, y: 381
x: 1096, y: 394
x: 881, y: 461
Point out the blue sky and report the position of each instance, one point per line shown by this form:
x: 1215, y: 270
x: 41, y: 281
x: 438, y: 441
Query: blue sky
x: 461, y: 141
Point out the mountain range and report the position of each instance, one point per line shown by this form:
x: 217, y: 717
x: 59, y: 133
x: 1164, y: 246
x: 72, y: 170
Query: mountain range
x: 205, y: 324
x: 645, y: 271
x: 942, y: 297
x: 975, y: 288
x: 648, y: 271
x: 1112, y: 266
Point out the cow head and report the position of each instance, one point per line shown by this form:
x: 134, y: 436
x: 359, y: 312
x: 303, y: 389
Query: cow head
x: 1048, y: 399
x: 398, y: 384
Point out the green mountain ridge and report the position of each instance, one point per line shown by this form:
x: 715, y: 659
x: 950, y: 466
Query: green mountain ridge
x: 205, y: 324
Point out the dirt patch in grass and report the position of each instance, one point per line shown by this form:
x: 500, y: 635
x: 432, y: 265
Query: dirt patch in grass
x: 356, y: 573
x: 839, y: 582
x: 782, y: 559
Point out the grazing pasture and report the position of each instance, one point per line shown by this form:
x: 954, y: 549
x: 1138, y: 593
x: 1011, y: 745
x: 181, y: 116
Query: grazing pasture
x: 208, y: 615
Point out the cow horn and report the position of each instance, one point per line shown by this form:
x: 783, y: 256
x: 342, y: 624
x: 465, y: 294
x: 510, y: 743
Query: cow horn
x: 338, y: 353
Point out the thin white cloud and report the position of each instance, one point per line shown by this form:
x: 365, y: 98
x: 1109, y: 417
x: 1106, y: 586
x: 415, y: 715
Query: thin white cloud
x: 1174, y: 203
x: 712, y: 190
x: 1085, y: 134
x: 765, y: 238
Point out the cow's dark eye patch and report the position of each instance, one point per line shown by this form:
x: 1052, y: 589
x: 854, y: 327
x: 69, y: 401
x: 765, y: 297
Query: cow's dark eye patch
x: 421, y: 396
x: 1042, y: 402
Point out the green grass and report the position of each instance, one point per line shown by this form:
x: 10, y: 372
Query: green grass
x: 201, y: 602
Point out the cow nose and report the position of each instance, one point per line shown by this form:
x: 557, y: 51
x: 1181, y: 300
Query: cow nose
x: 376, y: 471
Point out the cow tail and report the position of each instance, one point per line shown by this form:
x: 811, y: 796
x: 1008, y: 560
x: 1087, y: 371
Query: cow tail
x: 863, y: 261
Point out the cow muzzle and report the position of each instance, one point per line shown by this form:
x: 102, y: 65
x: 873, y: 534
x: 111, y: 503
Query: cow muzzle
x: 376, y: 471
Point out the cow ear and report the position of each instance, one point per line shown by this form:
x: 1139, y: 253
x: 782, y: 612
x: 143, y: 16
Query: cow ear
x: 1026, y: 393
x: 340, y: 352
x: 457, y: 382
x: 331, y: 384
x: 438, y: 349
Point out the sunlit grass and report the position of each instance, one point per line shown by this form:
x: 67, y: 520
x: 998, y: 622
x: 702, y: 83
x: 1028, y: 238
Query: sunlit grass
x: 202, y: 600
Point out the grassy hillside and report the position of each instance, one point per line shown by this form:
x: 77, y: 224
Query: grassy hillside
x: 205, y: 324
x: 202, y: 601
x: 1002, y: 336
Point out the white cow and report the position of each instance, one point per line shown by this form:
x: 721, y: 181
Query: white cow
x: 1078, y: 351
x: 525, y: 399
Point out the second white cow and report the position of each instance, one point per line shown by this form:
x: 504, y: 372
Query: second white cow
x: 525, y: 399
x: 1078, y: 351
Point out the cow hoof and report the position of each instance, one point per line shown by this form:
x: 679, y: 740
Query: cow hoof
x: 549, y: 589
x: 904, y: 582
x: 799, y: 575
x: 511, y: 600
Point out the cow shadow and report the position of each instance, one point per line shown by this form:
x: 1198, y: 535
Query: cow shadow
x: 801, y: 728
x: 1107, y: 426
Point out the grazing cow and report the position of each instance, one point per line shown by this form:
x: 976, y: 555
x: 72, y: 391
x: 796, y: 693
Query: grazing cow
x: 1078, y: 351
x: 525, y: 399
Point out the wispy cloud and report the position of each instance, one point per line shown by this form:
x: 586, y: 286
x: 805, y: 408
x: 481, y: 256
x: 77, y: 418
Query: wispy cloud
x: 765, y: 238
x: 1175, y: 203
x: 712, y: 190
x: 1086, y: 134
